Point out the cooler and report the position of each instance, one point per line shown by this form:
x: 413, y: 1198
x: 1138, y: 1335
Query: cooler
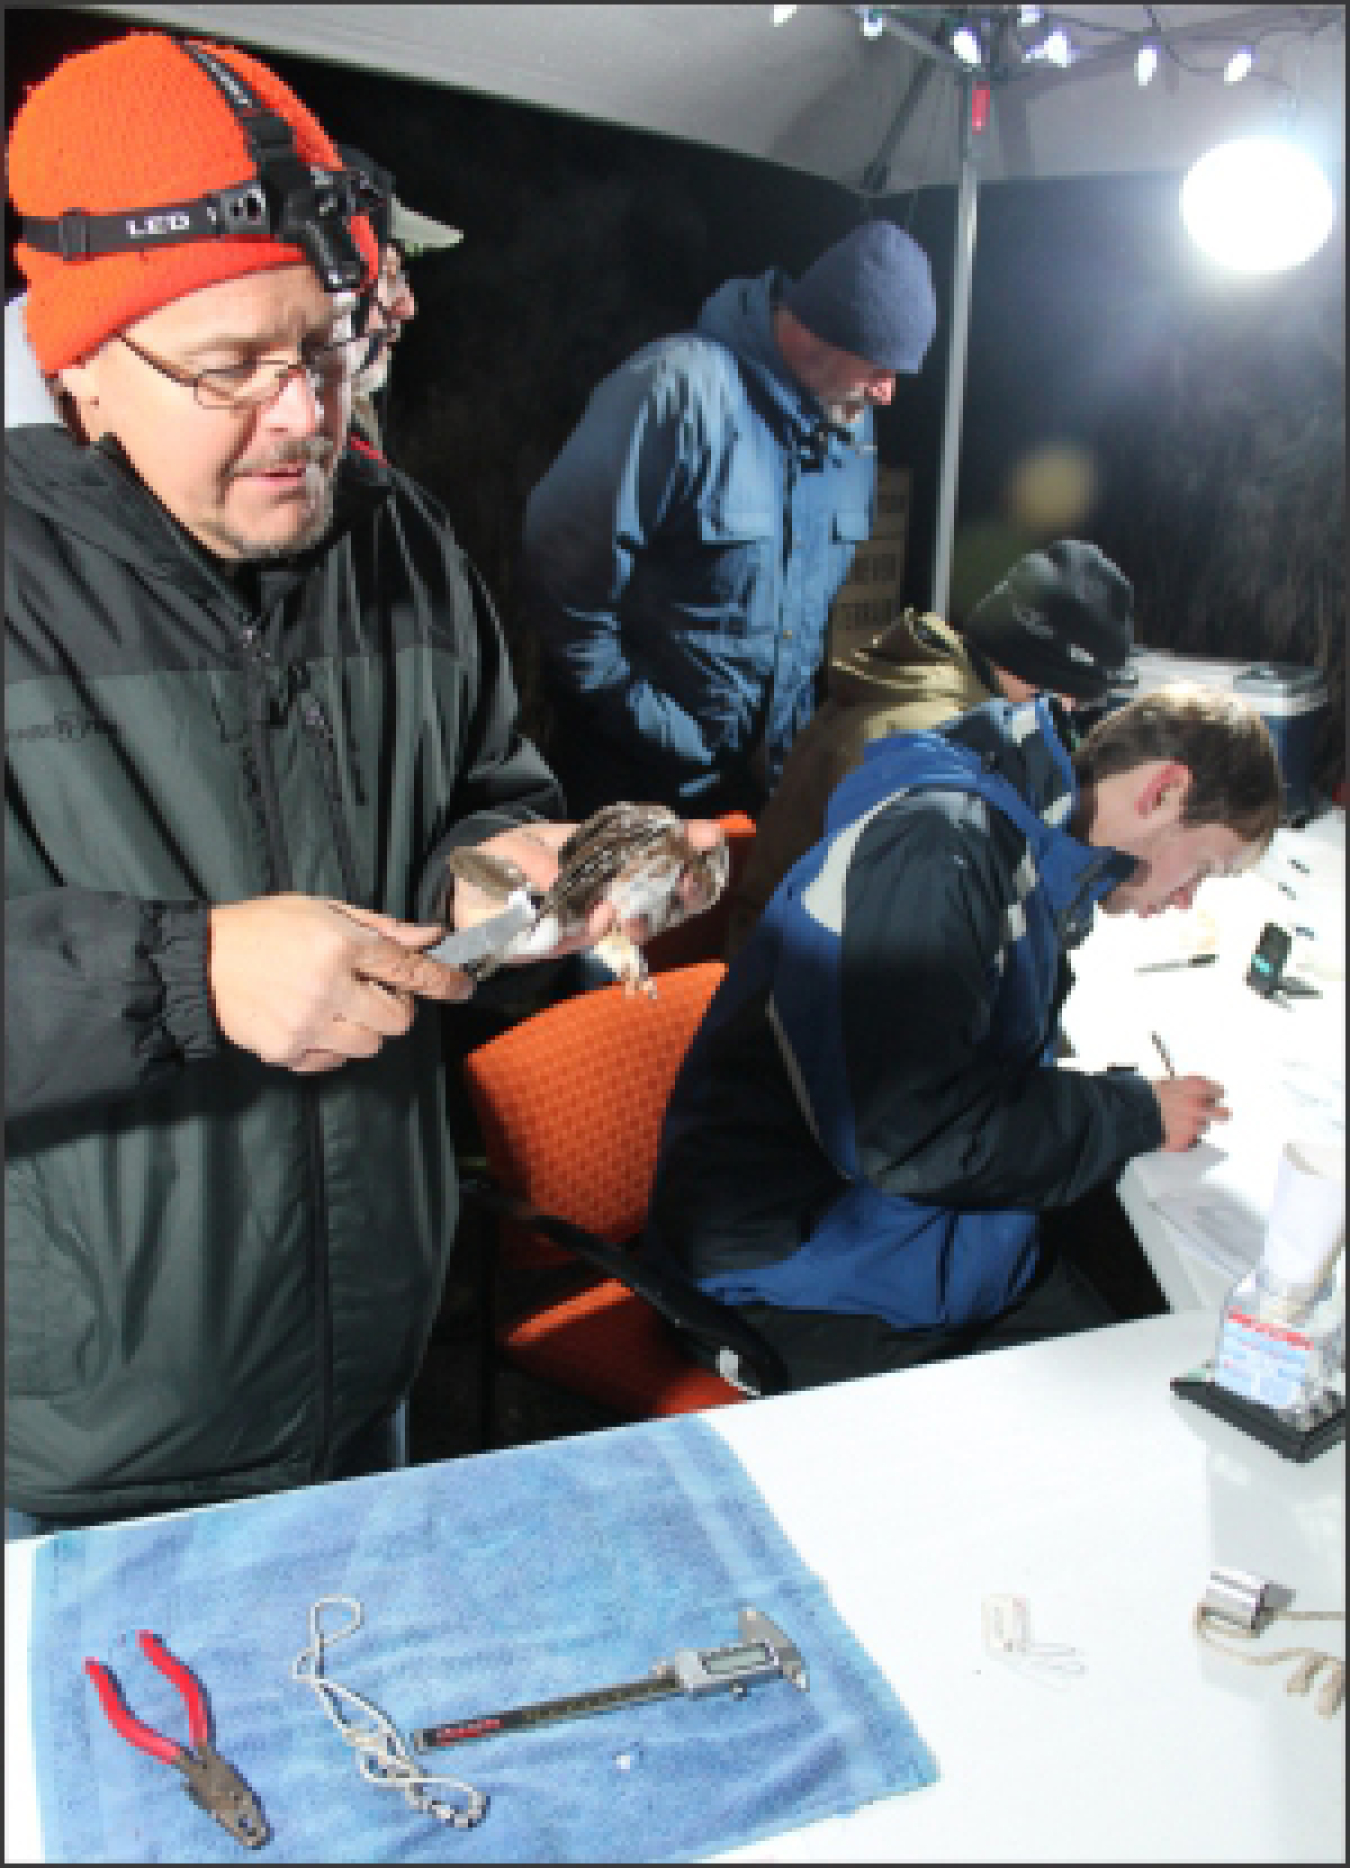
x: 1289, y: 698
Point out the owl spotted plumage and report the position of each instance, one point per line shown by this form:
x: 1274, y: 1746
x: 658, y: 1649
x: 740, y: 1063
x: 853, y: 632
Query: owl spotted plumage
x: 636, y: 857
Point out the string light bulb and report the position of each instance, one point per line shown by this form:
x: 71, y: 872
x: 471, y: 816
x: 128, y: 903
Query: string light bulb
x: 966, y: 46
x: 1238, y: 65
x: 782, y: 14
x: 871, y: 24
x: 1145, y: 64
x: 1057, y: 48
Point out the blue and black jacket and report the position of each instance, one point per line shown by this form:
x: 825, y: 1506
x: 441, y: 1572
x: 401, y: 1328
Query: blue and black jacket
x: 871, y: 1118
x: 681, y: 555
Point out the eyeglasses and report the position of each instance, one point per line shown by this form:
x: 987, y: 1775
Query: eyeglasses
x: 259, y: 381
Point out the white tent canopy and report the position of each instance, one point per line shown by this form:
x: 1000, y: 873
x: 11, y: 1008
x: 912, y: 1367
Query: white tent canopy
x: 883, y: 111
x: 815, y: 94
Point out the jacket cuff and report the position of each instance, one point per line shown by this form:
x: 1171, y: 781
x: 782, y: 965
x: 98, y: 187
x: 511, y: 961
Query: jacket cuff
x: 1143, y: 1115
x: 177, y: 948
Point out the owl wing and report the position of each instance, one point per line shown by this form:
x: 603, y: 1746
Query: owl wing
x: 599, y: 850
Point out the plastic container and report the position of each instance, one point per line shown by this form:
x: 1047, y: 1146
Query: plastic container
x: 1282, y: 1337
x: 1282, y: 1344
x: 1289, y: 698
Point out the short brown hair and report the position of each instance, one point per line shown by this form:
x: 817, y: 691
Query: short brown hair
x: 1222, y: 741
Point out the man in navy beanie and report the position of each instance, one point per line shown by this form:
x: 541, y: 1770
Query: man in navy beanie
x: 682, y: 552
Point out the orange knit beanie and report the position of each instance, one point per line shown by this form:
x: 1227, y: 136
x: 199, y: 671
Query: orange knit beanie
x: 135, y: 125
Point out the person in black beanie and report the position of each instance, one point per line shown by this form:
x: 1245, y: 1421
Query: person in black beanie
x: 1061, y: 622
x: 682, y: 552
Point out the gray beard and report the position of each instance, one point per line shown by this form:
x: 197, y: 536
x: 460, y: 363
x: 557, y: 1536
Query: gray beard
x: 311, y: 533
x: 844, y: 414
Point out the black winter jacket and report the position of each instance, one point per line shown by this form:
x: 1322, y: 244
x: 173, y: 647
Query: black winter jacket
x: 218, y: 1272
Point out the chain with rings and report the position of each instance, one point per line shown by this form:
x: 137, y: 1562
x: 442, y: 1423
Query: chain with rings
x: 383, y: 1757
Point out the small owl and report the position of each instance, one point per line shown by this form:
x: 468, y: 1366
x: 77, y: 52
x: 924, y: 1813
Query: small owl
x: 637, y: 857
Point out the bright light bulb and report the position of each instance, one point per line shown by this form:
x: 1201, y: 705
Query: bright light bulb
x: 1029, y: 15
x: 1146, y: 63
x: 872, y: 25
x: 966, y: 46
x: 1057, y: 48
x: 1238, y: 66
x: 1257, y: 205
x: 782, y: 14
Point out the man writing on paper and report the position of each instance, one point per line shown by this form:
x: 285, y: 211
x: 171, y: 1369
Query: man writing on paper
x: 255, y: 696
x: 870, y: 1118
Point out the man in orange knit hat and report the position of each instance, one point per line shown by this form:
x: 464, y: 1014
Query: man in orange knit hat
x: 254, y: 696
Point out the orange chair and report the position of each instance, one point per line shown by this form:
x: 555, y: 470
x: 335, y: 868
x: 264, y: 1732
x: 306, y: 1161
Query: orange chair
x: 569, y: 1105
x: 705, y: 937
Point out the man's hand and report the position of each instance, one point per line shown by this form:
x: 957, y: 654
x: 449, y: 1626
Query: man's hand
x: 309, y: 984
x: 1188, y: 1105
x: 533, y: 848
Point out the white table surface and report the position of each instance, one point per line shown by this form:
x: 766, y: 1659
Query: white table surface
x: 1266, y: 1054
x: 1067, y: 1473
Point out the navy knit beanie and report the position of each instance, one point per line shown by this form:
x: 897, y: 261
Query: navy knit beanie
x: 1062, y: 620
x: 872, y: 295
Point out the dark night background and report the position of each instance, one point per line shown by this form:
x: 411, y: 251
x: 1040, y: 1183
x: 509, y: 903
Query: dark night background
x: 1202, y: 418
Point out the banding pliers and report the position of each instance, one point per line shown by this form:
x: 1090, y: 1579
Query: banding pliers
x: 212, y: 1783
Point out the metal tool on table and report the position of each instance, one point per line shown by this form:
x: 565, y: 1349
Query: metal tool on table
x: 763, y: 1652
x: 211, y: 1783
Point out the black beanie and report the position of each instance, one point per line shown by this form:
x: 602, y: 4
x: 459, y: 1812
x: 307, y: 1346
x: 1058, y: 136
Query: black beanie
x: 1061, y: 620
x: 872, y: 295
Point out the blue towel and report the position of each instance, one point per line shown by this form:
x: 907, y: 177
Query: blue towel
x: 486, y: 1583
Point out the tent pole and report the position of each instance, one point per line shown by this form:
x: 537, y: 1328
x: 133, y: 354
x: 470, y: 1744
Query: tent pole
x: 949, y: 459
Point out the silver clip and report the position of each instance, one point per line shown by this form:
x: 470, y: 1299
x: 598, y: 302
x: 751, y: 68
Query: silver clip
x: 1236, y: 1597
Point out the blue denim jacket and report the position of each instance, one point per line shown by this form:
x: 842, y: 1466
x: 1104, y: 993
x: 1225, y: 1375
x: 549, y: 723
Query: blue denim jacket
x: 681, y: 556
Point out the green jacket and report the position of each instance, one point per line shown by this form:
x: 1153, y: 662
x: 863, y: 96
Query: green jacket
x: 218, y: 1272
x: 916, y: 674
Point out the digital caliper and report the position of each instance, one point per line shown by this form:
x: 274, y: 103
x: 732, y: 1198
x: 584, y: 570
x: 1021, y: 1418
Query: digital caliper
x: 763, y: 1652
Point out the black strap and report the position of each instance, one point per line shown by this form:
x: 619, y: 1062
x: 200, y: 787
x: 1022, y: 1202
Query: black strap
x: 271, y: 141
x: 77, y: 235
x: 681, y: 1303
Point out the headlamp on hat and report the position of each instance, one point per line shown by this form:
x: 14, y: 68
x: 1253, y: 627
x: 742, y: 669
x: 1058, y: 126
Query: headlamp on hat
x: 289, y: 201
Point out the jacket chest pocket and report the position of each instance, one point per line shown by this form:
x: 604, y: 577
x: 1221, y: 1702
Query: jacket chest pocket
x: 734, y: 555
x: 850, y: 527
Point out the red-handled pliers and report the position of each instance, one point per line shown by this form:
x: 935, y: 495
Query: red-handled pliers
x: 211, y: 1782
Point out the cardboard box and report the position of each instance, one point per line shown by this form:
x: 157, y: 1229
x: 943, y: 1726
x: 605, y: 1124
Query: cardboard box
x: 869, y: 597
x: 878, y: 564
x: 893, y: 490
